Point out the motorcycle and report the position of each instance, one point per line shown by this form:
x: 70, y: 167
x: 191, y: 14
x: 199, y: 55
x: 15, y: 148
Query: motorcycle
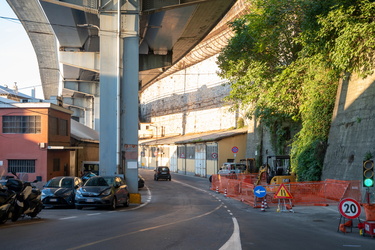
x: 27, y: 200
x: 7, y: 199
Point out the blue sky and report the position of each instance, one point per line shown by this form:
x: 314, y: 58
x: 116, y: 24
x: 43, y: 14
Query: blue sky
x: 18, y: 61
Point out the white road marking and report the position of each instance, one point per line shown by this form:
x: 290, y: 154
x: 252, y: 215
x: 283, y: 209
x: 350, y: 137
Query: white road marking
x: 234, y: 242
x: 93, y: 214
x: 68, y: 218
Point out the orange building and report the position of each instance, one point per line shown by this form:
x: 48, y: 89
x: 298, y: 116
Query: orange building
x: 34, y: 140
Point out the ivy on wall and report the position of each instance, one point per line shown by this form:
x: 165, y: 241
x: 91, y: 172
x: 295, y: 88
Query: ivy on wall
x: 284, y: 65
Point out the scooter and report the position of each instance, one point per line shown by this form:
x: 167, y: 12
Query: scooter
x: 27, y: 201
x: 7, y: 199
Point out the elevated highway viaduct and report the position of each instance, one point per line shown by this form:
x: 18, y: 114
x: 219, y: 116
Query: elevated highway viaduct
x: 95, y: 56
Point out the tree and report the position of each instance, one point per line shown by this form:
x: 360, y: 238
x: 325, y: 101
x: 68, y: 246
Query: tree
x: 285, y: 62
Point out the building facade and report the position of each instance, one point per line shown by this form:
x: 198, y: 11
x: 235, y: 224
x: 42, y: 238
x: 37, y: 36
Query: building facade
x: 35, y: 140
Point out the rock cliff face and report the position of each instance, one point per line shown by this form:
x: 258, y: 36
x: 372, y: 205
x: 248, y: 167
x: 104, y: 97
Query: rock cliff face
x: 352, y: 133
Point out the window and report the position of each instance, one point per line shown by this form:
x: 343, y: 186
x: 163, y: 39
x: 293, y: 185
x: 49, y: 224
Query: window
x: 56, y: 164
x: 53, y: 125
x: 154, y: 151
x: 63, y: 127
x: 181, y: 152
x: 190, y: 152
x: 21, y: 166
x: 21, y: 124
x: 58, y: 126
x: 211, y: 152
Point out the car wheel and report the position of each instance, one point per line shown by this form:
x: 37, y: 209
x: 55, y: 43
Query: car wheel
x: 113, y: 204
x: 170, y: 178
x: 127, y: 202
x: 79, y: 207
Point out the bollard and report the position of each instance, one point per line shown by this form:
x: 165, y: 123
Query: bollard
x: 265, y: 203
x: 262, y: 207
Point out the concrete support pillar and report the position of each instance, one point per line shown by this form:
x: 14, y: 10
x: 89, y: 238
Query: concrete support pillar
x: 129, y: 94
x: 119, y: 131
x: 108, y: 93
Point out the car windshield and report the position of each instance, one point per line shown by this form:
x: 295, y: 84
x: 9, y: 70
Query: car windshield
x: 97, y: 181
x: 60, y: 183
x: 163, y: 169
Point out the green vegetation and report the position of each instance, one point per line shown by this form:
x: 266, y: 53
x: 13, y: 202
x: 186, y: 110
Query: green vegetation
x: 284, y: 65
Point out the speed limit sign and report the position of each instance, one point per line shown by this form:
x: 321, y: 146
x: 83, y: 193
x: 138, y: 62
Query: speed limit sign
x: 349, y: 208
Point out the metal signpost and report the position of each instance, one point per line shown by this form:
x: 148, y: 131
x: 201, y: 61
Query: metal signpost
x: 235, y: 151
x: 350, y: 209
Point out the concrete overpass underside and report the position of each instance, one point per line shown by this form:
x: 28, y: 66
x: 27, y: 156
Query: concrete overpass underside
x: 97, y: 55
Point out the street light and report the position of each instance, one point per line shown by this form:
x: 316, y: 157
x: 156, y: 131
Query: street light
x: 156, y: 153
x: 118, y: 83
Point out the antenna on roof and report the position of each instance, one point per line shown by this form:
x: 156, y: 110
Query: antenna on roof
x: 15, y: 88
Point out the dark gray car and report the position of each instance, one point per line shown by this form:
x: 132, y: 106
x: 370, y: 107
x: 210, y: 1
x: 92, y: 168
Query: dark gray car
x: 162, y: 172
x: 103, y: 191
x: 60, y: 191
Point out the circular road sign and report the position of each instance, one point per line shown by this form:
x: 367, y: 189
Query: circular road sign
x: 214, y: 155
x: 349, y: 208
x: 234, y: 149
x: 260, y: 191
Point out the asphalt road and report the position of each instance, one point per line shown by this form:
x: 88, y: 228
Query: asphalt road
x: 182, y: 214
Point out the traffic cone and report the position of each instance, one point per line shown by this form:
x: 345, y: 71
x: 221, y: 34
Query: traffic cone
x: 217, y: 189
x: 225, y: 192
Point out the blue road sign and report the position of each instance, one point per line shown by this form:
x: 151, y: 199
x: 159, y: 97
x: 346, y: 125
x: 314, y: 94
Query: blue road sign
x: 260, y: 191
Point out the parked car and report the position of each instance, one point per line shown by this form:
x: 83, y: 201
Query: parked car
x: 87, y: 176
x: 162, y: 172
x: 141, y: 181
x: 60, y: 191
x: 103, y: 191
x: 232, y: 168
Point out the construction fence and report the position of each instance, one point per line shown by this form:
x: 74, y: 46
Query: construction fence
x: 318, y: 193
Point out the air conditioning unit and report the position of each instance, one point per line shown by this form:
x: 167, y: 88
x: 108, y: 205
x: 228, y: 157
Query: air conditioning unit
x: 42, y: 145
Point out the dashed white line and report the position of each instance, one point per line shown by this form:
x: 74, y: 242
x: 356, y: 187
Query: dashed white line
x: 68, y: 218
x: 234, y: 242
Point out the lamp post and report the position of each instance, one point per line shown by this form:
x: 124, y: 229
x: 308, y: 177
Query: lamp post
x: 118, y: 82
x: 156, y: 153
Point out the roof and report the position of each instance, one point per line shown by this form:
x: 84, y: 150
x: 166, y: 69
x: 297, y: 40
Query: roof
x: 195, y: 138
x: 83, y: 133
x: 4, y: 102
x: 7, y: 91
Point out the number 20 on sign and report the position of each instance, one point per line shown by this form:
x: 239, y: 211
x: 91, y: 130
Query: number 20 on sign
x: 349, y: 208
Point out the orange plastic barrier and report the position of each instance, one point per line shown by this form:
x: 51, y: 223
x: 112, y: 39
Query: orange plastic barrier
x: 241, y: 186
x: 370, y: 211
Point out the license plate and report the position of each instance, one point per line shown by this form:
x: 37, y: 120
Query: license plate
x: 89, y: 200
x: 52, y: 200
x: 163, y: 172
